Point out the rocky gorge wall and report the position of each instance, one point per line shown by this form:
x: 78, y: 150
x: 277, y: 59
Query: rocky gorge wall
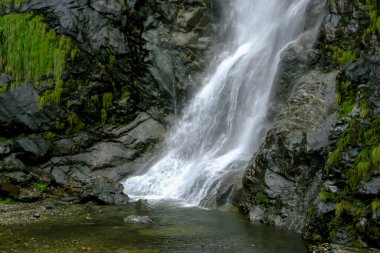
x: 98, y: 93
x: 317, y: 171
x: 90, y: 119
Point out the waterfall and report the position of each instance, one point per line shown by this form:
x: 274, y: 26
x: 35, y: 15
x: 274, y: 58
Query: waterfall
x: 225, y: 121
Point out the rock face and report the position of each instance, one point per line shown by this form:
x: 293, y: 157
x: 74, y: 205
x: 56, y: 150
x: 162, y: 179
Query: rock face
x: 134, y: 64
x: 316, y: 171
x: 277, y: 182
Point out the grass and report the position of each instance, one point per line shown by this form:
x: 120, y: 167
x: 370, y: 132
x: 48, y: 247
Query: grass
x: 328, y: 197
x: 375, y: 157
x: 333, y: 158
x: 31, y: 52
x: 364, y: 170
x: 343, y: 207
x: 343, y: 57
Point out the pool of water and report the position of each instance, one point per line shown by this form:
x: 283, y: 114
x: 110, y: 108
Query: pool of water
x: 175, y: 229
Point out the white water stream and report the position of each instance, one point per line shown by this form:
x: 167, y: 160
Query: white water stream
x: 224, y: 123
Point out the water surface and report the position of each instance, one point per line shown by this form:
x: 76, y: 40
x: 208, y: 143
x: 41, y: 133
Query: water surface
x: 101, y: 229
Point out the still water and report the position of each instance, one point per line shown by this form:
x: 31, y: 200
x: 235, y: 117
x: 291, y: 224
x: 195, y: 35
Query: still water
x: 175, y: 229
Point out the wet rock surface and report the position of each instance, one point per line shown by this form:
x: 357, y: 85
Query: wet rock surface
x: 294, y: 180
x: 145, y: 53
x: 279, y: 176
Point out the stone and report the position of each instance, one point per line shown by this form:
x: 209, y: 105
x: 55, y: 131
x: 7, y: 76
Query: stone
x: 371, y: 187
x: 104, y: 190
x: 142, y: 206
x: 257, y: 214
x: 135, y: 219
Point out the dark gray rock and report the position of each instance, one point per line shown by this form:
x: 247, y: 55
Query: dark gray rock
x: 20, y: 113
x: 371, y: 187
x: 280, y: 177
x: 104, y: 190
x: 35, y: 146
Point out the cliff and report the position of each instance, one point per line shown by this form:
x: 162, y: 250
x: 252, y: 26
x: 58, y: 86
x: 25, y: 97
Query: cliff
x: 317, y: 171
x: 88, y: 87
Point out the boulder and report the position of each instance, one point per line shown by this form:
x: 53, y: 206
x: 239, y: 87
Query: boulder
x: 105, y: 191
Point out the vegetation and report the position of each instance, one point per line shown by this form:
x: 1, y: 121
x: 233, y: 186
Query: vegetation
x: 343, y: 207
x: 262, y: 199
x: 344, y: 57
x: 75, y: 123
x: 329, y: 197
x: 7, y: 201
x: 375, y: 205
x: 32, y: 52
x: 107, y: 102
x: 16, y: 3
x: 41, y: 186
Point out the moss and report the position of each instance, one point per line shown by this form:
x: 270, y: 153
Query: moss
x: 364, y: 108
x: 343, y: 57
x: 107, y: 100
x: 262, y: 199
x: 375, y: 205
x: 333, y: 159
x: 329, y: 197
x: 375, y: 157
x: 42, y: 186
x: 16, y: 3
x: 95, y: 99
x: 32, y: 52
x: 7, y: 201
x: 111, y: 58
x: 49, y: 135
x: 363, y: 170
x: 114, y: 119
x: 103, y: 115
x: 342, y: 208
x: 125, y: 93
x: 75, y: 123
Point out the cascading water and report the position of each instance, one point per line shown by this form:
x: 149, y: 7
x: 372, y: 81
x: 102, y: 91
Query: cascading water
x: 224, y: 122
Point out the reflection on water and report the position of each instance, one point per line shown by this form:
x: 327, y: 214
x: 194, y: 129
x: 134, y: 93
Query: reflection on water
x: 101, y: 229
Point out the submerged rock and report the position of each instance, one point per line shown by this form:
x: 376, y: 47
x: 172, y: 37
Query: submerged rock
x: 142, y: 206
x: 135, y: 219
